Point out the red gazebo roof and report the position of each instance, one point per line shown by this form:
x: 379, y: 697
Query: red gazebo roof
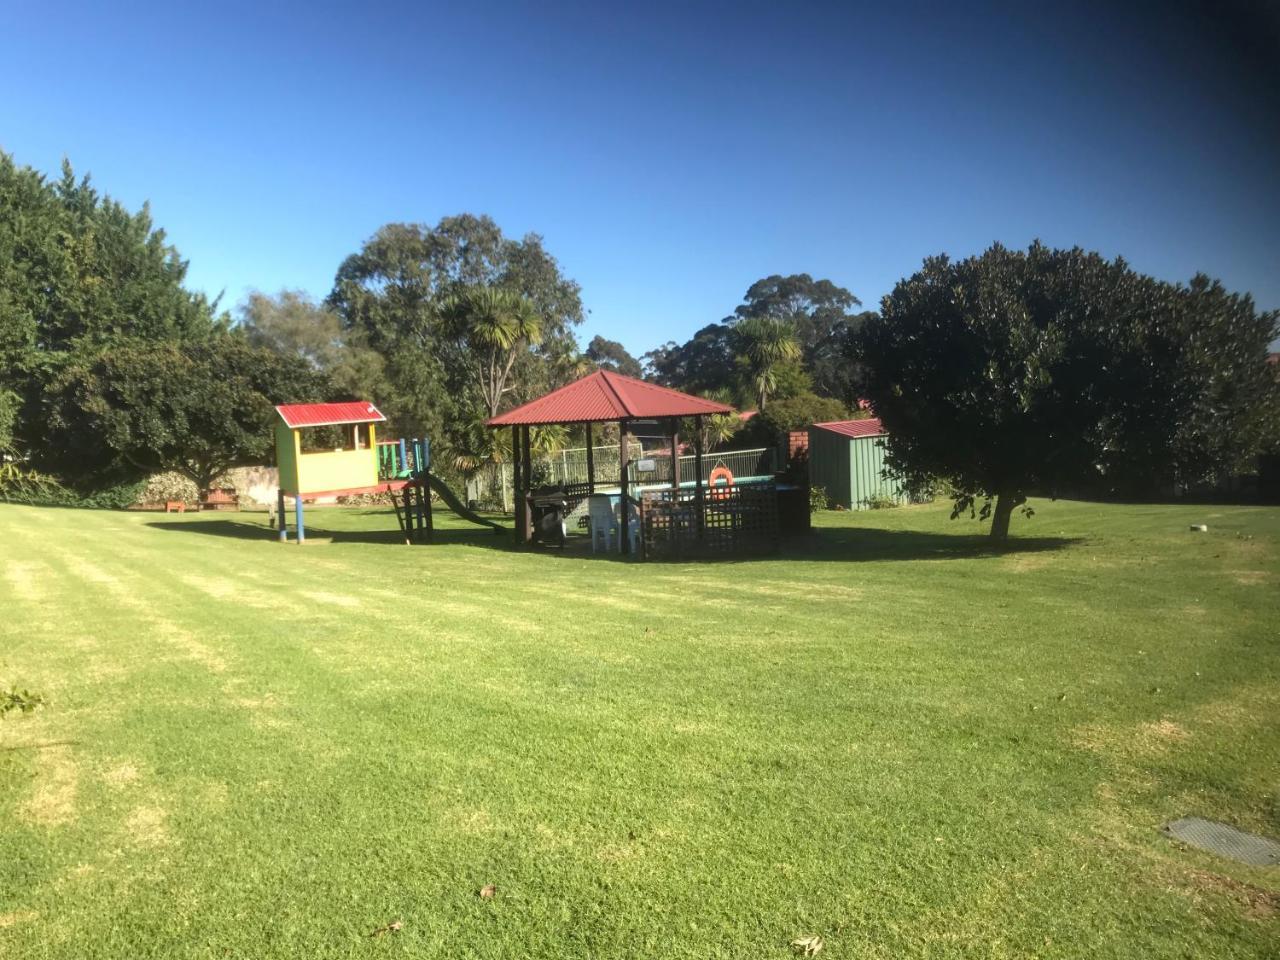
x: 297, y: 415
x: 607, y: 396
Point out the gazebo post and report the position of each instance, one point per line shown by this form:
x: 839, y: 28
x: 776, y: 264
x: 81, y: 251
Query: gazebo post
x: 525, y: 520
x: 675, y: 458
x: 623, y: 518
x: 591, y: 463
x: 697, y: 472
x: 516, y: 479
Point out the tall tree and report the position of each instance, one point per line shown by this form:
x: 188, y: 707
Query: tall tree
x: 1050, y: 371
x: 78, y: 272
x: 611, y: 355
x: 821, y: 313
x: 394, y: 287
x: 490, y: 327
x: 705, y: 363
x: 766, y: 345
x: 199, y: 408
x: 292, y: 324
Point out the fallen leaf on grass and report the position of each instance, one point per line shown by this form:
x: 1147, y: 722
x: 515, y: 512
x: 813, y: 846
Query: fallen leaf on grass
x: 487, y: 891
x: 395, y: 926
x: 807, y: 945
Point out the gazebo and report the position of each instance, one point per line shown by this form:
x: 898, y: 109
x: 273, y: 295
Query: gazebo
x: 605, y: 397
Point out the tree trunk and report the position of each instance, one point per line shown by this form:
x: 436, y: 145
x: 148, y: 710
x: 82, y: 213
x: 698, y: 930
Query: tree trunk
x: 1006, y: 503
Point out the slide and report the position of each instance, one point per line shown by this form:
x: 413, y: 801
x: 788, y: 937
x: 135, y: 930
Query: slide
x: 458, y: 507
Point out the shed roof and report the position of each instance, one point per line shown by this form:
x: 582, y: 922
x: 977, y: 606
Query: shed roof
x: 296, y: 415
x: 869, y: 427
x: 606, y: 396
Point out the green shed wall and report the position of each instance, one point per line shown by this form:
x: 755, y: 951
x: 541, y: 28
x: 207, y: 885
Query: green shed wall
x: 849, y: 469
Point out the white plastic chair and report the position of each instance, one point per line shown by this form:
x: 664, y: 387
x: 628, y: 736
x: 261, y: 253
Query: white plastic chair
x: 603, y: 522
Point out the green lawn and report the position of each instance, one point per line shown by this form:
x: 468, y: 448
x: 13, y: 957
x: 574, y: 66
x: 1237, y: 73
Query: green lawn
x: 889, y: 737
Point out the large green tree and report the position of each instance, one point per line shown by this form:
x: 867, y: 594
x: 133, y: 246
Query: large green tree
x: 394, y: 289
x: 78, y: 272
x: 292, y: 324
x: 488, y: 328
x: 611, y: 355
x: 198, y: 407
x: 822, y: 315
x: 1053, y: 371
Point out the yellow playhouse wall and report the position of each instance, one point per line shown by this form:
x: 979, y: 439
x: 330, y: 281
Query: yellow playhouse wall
x: 304, y: 473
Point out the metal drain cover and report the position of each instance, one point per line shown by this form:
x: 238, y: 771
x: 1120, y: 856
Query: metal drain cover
x: 1225, y: 841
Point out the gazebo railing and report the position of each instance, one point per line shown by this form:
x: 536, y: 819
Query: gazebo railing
x: 493, y: 485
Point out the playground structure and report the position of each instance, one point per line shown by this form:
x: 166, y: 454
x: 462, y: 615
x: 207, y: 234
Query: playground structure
x: 332, y: 449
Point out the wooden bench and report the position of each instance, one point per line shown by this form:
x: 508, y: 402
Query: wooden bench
x: 224, y: 498
x: 175, y: 506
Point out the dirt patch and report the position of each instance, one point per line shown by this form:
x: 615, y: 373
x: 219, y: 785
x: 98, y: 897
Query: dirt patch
x: 1163, y: 731
x: 53, y: 800
x: 25, y: 577
x: 333, y: 599
x: 147, y: 827
x: 1254, y: 902
x: 121, y: 776
x: 1251, y: 578
x: 1027, y: 562
x: 1144, y: 740
x: 16, y: 917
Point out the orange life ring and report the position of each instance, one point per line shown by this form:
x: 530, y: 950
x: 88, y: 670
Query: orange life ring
x: 718, y: 491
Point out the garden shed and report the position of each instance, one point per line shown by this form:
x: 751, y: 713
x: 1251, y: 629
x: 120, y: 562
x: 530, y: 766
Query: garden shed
x: 846, y: 459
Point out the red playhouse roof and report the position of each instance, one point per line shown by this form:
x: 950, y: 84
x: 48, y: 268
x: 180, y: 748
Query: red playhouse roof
x: 297, y: 415
x: 605, y: 395
x: 870, y: 427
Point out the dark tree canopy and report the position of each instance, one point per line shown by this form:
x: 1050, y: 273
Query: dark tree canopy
x: 821, y: 314
x: 611, y: 355
x: 1053, y: 371
x: 818, y: 312
x: 198, y: 407
x: 78, y: 271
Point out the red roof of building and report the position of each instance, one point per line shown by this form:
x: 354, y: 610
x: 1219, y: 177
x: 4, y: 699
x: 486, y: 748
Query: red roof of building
x: 605, y: 396
x: 870, y: 427
x: 297, y: 415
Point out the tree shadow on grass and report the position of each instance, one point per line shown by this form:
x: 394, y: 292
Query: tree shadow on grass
x: 873, y: 544
x: 241, y: 530
x: 844, y: 544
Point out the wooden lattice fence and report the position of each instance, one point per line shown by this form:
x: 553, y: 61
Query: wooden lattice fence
x: 735, y: 520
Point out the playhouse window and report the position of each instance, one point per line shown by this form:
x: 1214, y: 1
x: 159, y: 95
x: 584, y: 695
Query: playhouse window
x: 335, y: 437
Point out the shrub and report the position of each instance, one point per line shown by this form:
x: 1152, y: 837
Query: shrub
x: 22, y: 700
x: 160, y: 487
x: 878, y: 501
x: 818, y: 499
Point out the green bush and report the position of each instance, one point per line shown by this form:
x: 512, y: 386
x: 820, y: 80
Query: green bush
x: 879, y: 501
x: 160, y: 487
x: 818, y: 499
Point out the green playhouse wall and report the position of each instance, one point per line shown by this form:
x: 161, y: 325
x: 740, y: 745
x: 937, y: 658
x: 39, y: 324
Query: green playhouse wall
x: 849, y: 469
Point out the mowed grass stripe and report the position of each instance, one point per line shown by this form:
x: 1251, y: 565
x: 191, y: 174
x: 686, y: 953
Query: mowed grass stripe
x: 889, y: 762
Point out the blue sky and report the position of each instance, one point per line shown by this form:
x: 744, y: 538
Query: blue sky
x: 669, y: 154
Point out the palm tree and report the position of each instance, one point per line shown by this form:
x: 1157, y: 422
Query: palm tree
x: 765, y: 343
x: 490, y: 326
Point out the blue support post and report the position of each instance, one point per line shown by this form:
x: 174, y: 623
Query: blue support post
x: 297, y: 512
x: 284, y: 533
x: 404, y: 458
